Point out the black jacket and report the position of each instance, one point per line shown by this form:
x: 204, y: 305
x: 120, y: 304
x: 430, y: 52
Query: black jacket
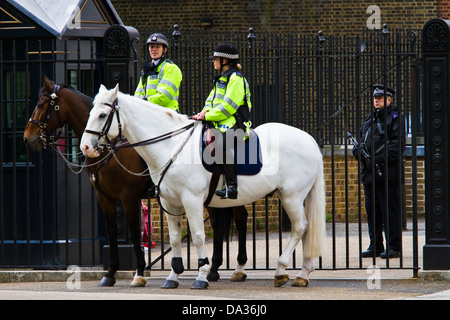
x: 375, y: 134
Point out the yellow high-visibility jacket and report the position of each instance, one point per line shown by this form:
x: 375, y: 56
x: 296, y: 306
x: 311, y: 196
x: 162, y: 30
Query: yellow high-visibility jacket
x: 225, y: 98
x: 162, y: 85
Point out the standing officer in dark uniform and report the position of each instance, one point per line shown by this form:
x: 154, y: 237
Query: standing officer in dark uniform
x: 382, y: 133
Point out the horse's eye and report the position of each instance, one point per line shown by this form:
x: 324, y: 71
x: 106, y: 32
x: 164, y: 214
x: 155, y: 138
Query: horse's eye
x: 102, y: 115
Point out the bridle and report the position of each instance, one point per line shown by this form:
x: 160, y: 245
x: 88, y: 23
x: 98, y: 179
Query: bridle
x: 114, y: 145
x: 103, y: 133
x: 43, y: 124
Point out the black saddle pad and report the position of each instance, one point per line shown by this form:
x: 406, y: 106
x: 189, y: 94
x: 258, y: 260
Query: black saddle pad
x: 247, y: 153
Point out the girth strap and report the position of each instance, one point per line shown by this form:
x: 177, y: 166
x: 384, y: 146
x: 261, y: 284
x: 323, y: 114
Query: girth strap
x: 213, y: 184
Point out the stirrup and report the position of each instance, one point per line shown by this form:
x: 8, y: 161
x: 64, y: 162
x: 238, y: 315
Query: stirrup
x: 227, y: 193
x: 222, y: 193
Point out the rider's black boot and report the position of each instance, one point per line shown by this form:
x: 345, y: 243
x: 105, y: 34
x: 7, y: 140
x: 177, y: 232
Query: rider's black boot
x: 230, y: 192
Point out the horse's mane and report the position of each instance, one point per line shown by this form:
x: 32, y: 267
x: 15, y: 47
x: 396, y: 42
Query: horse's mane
x: 175, y: 116
x: 86, y: 97
x: 68, y: 86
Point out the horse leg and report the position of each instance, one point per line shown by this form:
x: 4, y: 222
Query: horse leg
x: 220, y: 221
x: 109, y: 210
x: 240, y: 219
x: 131, y: 207
x: 217, y: 244
x: 194, y: 212
x: 295, y: 210
x: 302, y: 278
x: 174, y: 225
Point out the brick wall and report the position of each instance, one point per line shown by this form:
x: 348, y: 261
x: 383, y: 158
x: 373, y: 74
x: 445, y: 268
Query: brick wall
x: 306, y: 16
x: 444, y: 9
x: 340, y: 210
x: 353, y: 190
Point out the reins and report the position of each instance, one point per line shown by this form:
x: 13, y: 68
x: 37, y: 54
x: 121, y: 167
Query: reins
x: 51, y: 141
x: 162, y: 137
x: 113, y: 145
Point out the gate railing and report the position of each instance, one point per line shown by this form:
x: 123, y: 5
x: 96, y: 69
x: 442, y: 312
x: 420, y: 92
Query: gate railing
x: 298, y: 79
x: 312, y: 76
x: 324, y: 85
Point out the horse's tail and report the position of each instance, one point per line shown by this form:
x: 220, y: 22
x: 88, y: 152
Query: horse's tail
x: 315, y: 205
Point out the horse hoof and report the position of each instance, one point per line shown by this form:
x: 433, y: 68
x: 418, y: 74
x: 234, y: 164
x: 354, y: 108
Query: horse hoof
x: 281, y: 280
x: 200, y: 285
x: 238, y: 277
x: 300, y: 282
x: 213, y: 276
x: 138, y: 281
x: 170, y: 284
x: 107, y: 282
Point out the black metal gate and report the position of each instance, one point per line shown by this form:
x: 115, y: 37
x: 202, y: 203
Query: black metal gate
x: 319, y: 83
x: 324, y: 86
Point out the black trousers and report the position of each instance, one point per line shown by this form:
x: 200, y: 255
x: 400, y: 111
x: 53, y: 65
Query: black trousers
x: 228, y: 166
x: 380, y: 219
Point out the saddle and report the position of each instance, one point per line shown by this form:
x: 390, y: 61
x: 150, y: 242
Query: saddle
x: 247, y: 156
x: 247, y: 153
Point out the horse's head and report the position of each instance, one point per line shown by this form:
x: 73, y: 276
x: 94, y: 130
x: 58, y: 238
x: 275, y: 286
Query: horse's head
x: 46, y: 117
x: 101, y: 127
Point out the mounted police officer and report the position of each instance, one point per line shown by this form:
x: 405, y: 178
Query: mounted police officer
x: 382, y: 137
x: 161, y: 78
x: 227, y: 107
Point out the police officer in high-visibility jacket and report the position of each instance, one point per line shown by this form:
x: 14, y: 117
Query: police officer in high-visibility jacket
x: 161, y: 78
x: 228, y: 100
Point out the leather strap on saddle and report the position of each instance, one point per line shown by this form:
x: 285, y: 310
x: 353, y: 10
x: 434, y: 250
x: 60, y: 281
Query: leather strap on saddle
x: 213, y: 184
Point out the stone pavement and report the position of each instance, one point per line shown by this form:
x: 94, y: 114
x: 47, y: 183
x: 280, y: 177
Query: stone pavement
x: 323, y: 286
x: 356, y: 283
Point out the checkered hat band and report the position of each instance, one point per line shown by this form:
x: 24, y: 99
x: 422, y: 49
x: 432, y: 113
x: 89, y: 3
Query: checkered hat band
x: 159, y: 40
x: 226, y: 55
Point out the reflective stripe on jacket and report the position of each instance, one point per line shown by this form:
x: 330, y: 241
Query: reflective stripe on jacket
x: 162, y: 86
x: 225, y: 98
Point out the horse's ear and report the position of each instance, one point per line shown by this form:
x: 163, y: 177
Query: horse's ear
x: 48, y: 84
x: 102, y: 88
x: 116, y: 90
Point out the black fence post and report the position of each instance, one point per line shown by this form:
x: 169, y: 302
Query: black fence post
x: 320, y: 42
x: 121, y: 56
x: 251, y: 67
x: 436, y: 56
x: 176, y: 38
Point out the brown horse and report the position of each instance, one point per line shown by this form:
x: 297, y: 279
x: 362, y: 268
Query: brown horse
x: 112, y: 183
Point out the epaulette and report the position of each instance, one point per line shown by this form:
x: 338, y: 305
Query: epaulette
x: 394, y: 114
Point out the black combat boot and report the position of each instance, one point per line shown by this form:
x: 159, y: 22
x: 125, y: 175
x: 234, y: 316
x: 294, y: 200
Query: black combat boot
x: 230, y: 192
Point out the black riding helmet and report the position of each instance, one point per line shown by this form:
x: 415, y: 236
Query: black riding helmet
x: 226, y: 50
x: 159, y: 38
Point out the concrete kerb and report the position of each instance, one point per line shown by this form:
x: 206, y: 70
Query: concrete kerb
x: 8, y: 276
x: 57, y: 275
x: 434, y: 275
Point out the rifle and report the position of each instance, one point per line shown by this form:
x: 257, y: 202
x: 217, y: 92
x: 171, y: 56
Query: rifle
x: 364, y: 154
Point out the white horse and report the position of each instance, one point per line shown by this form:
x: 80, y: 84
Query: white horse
x: 292, y: 166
